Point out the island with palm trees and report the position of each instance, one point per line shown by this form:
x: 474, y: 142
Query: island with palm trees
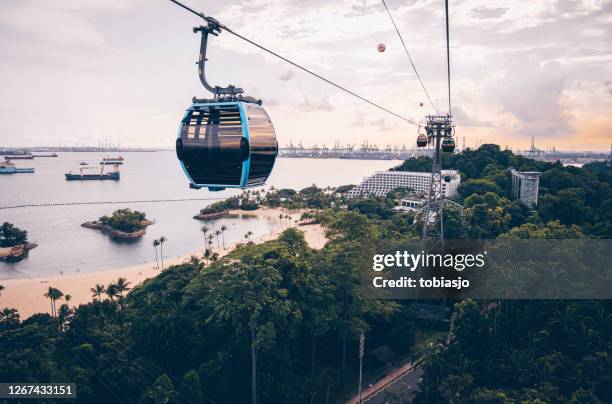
x: 218, y: 209
x: 122, y: 224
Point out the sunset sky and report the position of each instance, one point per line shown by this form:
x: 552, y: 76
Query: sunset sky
x: 77, y: 72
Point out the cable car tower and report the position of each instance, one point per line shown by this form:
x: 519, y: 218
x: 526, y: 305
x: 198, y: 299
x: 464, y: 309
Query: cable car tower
x: 439, y: 134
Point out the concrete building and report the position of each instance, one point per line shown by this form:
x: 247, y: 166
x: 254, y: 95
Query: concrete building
x: 412, y: 203
x: 525, y: 186
x: 382, y: 182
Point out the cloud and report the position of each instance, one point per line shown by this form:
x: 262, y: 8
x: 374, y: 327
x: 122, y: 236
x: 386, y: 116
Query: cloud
x: 519, y: 68
x: 462, y: 118
x: 381, y: 124
x: 485, y: 13
x: 533, y: 96
x: 287, y: 76
x: 310, y: 105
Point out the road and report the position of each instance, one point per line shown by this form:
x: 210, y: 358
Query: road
x: 400, y: 382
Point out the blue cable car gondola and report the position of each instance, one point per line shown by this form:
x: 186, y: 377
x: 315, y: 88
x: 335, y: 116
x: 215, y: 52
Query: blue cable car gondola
x: 228, y: 141
x: 226, y: 145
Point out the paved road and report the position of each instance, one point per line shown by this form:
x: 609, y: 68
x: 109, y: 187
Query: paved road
x: 400, y: 382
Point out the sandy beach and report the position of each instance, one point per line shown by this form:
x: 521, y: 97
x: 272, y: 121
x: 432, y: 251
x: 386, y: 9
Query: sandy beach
x: 26, y: 294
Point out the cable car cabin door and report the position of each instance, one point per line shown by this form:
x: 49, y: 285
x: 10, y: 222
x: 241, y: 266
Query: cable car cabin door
x: 263, y: 145
x: 213, y: 145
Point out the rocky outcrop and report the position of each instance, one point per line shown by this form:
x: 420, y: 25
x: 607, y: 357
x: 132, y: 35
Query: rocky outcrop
x: 18, y: 252
x: 209, y: 216
x: 109, y: 231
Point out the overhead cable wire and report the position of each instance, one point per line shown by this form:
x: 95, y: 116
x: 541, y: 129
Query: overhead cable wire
x: 408, y: 54
x: 209, y: 19
x: 447, y: 56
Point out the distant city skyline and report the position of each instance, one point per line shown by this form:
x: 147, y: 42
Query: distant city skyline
x: 123, y: 71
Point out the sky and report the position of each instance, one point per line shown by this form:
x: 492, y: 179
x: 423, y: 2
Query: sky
x: 76, y: 72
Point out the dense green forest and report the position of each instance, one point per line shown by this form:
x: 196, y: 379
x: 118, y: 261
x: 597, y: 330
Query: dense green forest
x: 292, y: 315
x: 571, y: 195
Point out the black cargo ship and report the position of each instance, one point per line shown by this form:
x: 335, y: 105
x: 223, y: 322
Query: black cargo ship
x: 100, y: 176
x: 84, y: 177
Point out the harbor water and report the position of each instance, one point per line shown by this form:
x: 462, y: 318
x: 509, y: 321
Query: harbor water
x: 63, y: 245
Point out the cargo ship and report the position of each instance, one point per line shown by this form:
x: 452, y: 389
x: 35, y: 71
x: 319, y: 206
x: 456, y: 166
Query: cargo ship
x: 83, y: 174
x: 112, y: 160
x: 27, y: 156
x: 45, y: 155
x: 8, y: 167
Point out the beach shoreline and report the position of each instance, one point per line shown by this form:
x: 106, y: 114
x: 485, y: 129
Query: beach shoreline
x: 26, y: 294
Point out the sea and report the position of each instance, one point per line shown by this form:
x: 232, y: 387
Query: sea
x: 64, y: 246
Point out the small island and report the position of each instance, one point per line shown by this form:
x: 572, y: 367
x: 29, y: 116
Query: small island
x: 14, y: 245
x: 122, y: 224
x: 218, y: 209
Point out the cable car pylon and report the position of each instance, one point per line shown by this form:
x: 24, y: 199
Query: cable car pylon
x: 439, y: 134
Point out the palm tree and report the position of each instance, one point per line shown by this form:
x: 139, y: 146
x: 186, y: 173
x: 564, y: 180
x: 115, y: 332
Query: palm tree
x: 217, y: 233
x: 210, y: 240
x: 248, y: 236
x: 204, y: 230
x: 53, y: 294
x: 8, y: 316
x: 111, y: 291
x: 64, y: 315
x: 1, y: 289
x: 122, y: 285
x: 155, y: 244
x: 223, y: 229
x: 97, y: 291
x: 194, y: 260
x: 207, y: 254
x: 162, y: 240
x: 67, y: 298
x: 56, y: 295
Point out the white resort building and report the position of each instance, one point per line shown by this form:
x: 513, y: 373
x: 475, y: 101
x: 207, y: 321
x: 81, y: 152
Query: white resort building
x: 382, y: 182
x: 525, y: 186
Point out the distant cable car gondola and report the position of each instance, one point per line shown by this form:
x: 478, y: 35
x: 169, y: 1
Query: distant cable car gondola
x: 381, y: 47
x: 228, y: 141
x: 448, y: 145
x: 421, y: 139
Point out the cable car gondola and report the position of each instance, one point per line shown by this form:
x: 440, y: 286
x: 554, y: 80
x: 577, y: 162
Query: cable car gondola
x: 228, y: 141
x: 448, y: 145
x: 421, y: 139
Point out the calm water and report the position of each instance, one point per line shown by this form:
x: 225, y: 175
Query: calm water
x: 66, y: 246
